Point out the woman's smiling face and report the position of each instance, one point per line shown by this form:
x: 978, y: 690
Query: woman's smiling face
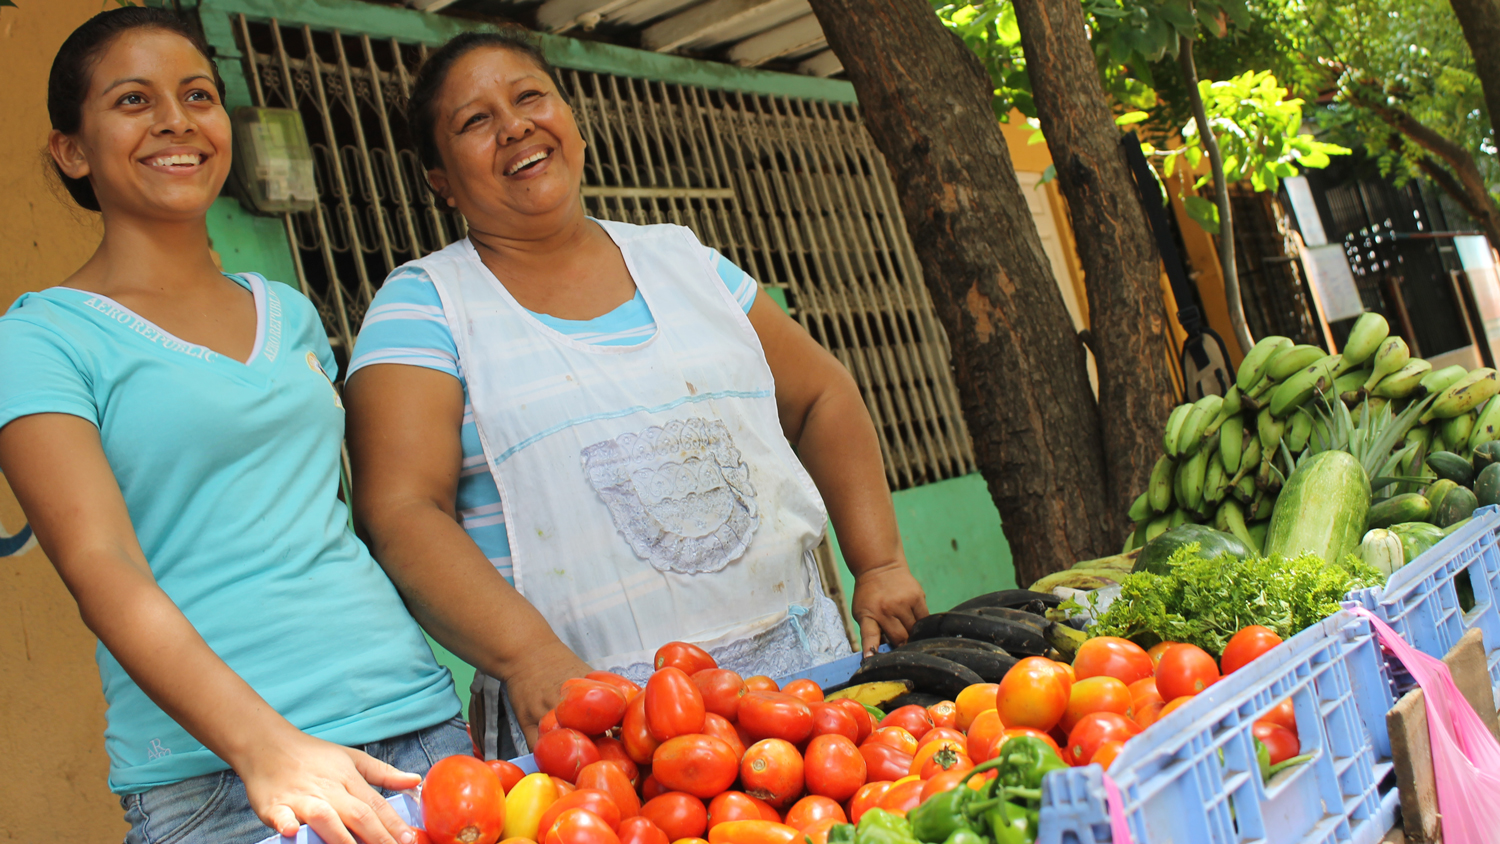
x: 508, y: 141
x: 155, y: 139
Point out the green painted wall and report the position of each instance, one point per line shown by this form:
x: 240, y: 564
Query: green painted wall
x: 951, y: 533
x: 247, y: 243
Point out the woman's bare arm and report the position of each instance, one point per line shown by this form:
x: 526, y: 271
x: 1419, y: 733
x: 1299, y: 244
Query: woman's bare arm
x: 58, y: 471
x: 403, y: 430
x: 824, y: 416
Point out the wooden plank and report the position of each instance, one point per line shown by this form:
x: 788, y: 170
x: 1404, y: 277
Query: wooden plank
x: 703, y: 20
x: 1470, y: 673
x: 1411, y: 752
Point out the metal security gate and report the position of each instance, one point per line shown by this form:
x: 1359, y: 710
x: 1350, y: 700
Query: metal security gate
x: 792, y: 190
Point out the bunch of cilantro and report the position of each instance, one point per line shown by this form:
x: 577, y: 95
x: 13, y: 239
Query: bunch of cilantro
x: 1206, y: 601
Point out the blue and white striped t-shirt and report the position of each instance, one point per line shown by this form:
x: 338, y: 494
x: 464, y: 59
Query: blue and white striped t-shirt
x: 405, y: 325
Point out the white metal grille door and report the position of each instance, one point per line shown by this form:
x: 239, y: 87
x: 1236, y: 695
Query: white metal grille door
x: 792, y: 190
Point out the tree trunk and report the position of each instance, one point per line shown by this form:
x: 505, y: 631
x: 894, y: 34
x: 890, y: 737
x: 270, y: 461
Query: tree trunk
x: 1019, y: 365
x: 1480, y: 21
x: 1122, y: 271
x: 1474, y: 194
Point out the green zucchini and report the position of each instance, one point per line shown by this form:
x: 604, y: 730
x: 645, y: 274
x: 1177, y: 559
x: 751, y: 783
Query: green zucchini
x: 1416, y: 538
x: 1323, y: 509
x: 1449, y: 465
x: 1406, y: 507
x: 1458, y: 505
x: 1211, y: 543
x: 1487, y: 485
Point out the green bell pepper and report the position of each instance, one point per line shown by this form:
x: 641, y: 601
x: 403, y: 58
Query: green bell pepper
x: 878, y: 826
x: 1025, y: 760
x: 966, y: 836
x: 942, y: 815
x: 1012, y: 824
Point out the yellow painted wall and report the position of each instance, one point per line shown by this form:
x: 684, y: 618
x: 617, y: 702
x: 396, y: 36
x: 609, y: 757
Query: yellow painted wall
x: 51, y: 708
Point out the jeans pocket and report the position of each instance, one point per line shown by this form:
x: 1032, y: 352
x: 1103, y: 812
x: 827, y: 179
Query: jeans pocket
x: 169, y: 814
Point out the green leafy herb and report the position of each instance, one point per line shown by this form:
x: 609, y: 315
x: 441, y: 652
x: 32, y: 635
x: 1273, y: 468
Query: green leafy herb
x: 1204, y: 602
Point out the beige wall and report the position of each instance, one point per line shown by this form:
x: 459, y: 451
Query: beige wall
x: 51, y: 710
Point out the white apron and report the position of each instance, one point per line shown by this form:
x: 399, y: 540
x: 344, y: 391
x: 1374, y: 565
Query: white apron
x: 649, y: 492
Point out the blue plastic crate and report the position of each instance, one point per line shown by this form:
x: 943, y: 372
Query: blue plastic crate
x: 1421, y: 600
x: 406, y: 807
x: 1193, y: 777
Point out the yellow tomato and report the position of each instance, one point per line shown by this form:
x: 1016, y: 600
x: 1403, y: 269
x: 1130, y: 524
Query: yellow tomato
x: 525, y: 804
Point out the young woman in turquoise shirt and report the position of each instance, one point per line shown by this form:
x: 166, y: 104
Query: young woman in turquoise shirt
x: 173, y: 435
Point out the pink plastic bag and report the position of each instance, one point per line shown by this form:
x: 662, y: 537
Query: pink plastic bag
x: 1465, y: 757
x: 1119, y: 830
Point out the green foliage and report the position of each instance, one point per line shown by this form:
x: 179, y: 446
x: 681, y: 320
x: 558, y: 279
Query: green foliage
x: 1204, y: 602
x: 989, y: 30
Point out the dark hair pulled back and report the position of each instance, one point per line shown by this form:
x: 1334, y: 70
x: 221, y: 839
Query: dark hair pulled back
x: 420, y: 109
x: 73, y: 68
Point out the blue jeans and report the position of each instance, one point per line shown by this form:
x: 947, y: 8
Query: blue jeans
x: 213, y: 808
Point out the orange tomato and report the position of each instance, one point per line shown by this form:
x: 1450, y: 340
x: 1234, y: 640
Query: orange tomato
x: 943, y: 713
x: 1144, y: 691
x: 942, y: 763
x: 817, y: 831
x: 807, y: 690
x: 761, y: 683
x: 1173, y: 705
x: 1106, y: 752
x: 938, y: 734
x: 1156, y: 650
x: 867, y: 798
x: 1148, y: 712
x: 896, y: 737
x: 980, y: 743
x: 903, y: 797
x: 1101, y: 693
x: 752, y: 832
x: 1032, y: 694
x: 931, y: 749
x: 815, y: 808
x: 945, y: 781
x: 974, y: 700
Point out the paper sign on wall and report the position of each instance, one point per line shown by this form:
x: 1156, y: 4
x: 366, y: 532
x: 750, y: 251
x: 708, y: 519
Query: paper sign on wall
x: 1328, y: 272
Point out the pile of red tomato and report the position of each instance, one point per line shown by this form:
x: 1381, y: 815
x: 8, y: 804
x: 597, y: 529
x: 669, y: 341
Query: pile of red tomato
x: 702, y: 753
x: 1115, y: 689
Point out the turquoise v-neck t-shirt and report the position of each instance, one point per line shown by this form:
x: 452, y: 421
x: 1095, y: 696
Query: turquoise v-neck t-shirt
x: 230, y: 472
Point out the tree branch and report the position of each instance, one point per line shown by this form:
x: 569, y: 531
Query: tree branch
x: 1440, y: 176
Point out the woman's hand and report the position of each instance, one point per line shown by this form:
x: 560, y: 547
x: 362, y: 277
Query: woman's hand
x: 302, y: 779
x: 887, y: 599
x: 535, y: 687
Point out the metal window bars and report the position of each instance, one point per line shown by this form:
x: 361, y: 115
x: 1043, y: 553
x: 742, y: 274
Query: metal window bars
x: 792, y: 190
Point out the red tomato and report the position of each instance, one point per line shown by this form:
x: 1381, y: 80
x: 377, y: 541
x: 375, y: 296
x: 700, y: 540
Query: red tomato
x: 638, y: 830
x: 775, y: 715
x: 772, y: 770
x: 651, y: 789
x: 1100, y: 693
x: 944, y: 714
x: 942, y: 763
x: 548, y: 723
x: 721, y: 690
x: 735, y: 806
x: 424, y: 838
x: 609, y: 777
x: 867, y: 798
x: 1031, y: 694
x: 1281, y: 742
x: 679, y: 815
x: 980, y: 742
x: 697, y: 764
x: 562, y: 753
x: 635, y: 736
x: 761, y: 683
x: 720, y: 728
x: 940, y: 734
x: 1110, y: 656
x: 1012, y: 732
x: 752, y: 832
x: 903, y: 797
x: 590, y: 800
x: 805, y: 690
x: 945, y: 781
x: 831, y: 720
x: 928, y: 750
x: 689, y: 659
x: 508, y: 772
x: 613, y: 750
x: 834, y: 767
x: 817, y: 831
x: 564, y: 788
x: 1156, y: 650
x: 1246, y: 645
x: 463, y: 802
x: 1185, y: 670
x: 1105, y: 753
x: 883, y: 762
x: 1144, y: 691
x: 912, y: 718
x: 580, y: 826
x: 1283, y: 715
x: 1094, y: 729
x: 812, y: 809
x: 590, y: 706
x: 674, y: 706
x: 860, y: 716
x: 896, y: 737
x: 626, y: 687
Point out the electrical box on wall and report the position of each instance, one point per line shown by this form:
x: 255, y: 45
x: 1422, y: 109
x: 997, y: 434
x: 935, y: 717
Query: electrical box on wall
x: 273, y: 162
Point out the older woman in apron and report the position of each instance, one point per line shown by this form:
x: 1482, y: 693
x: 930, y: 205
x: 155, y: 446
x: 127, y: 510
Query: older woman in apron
x: 619, y: 401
